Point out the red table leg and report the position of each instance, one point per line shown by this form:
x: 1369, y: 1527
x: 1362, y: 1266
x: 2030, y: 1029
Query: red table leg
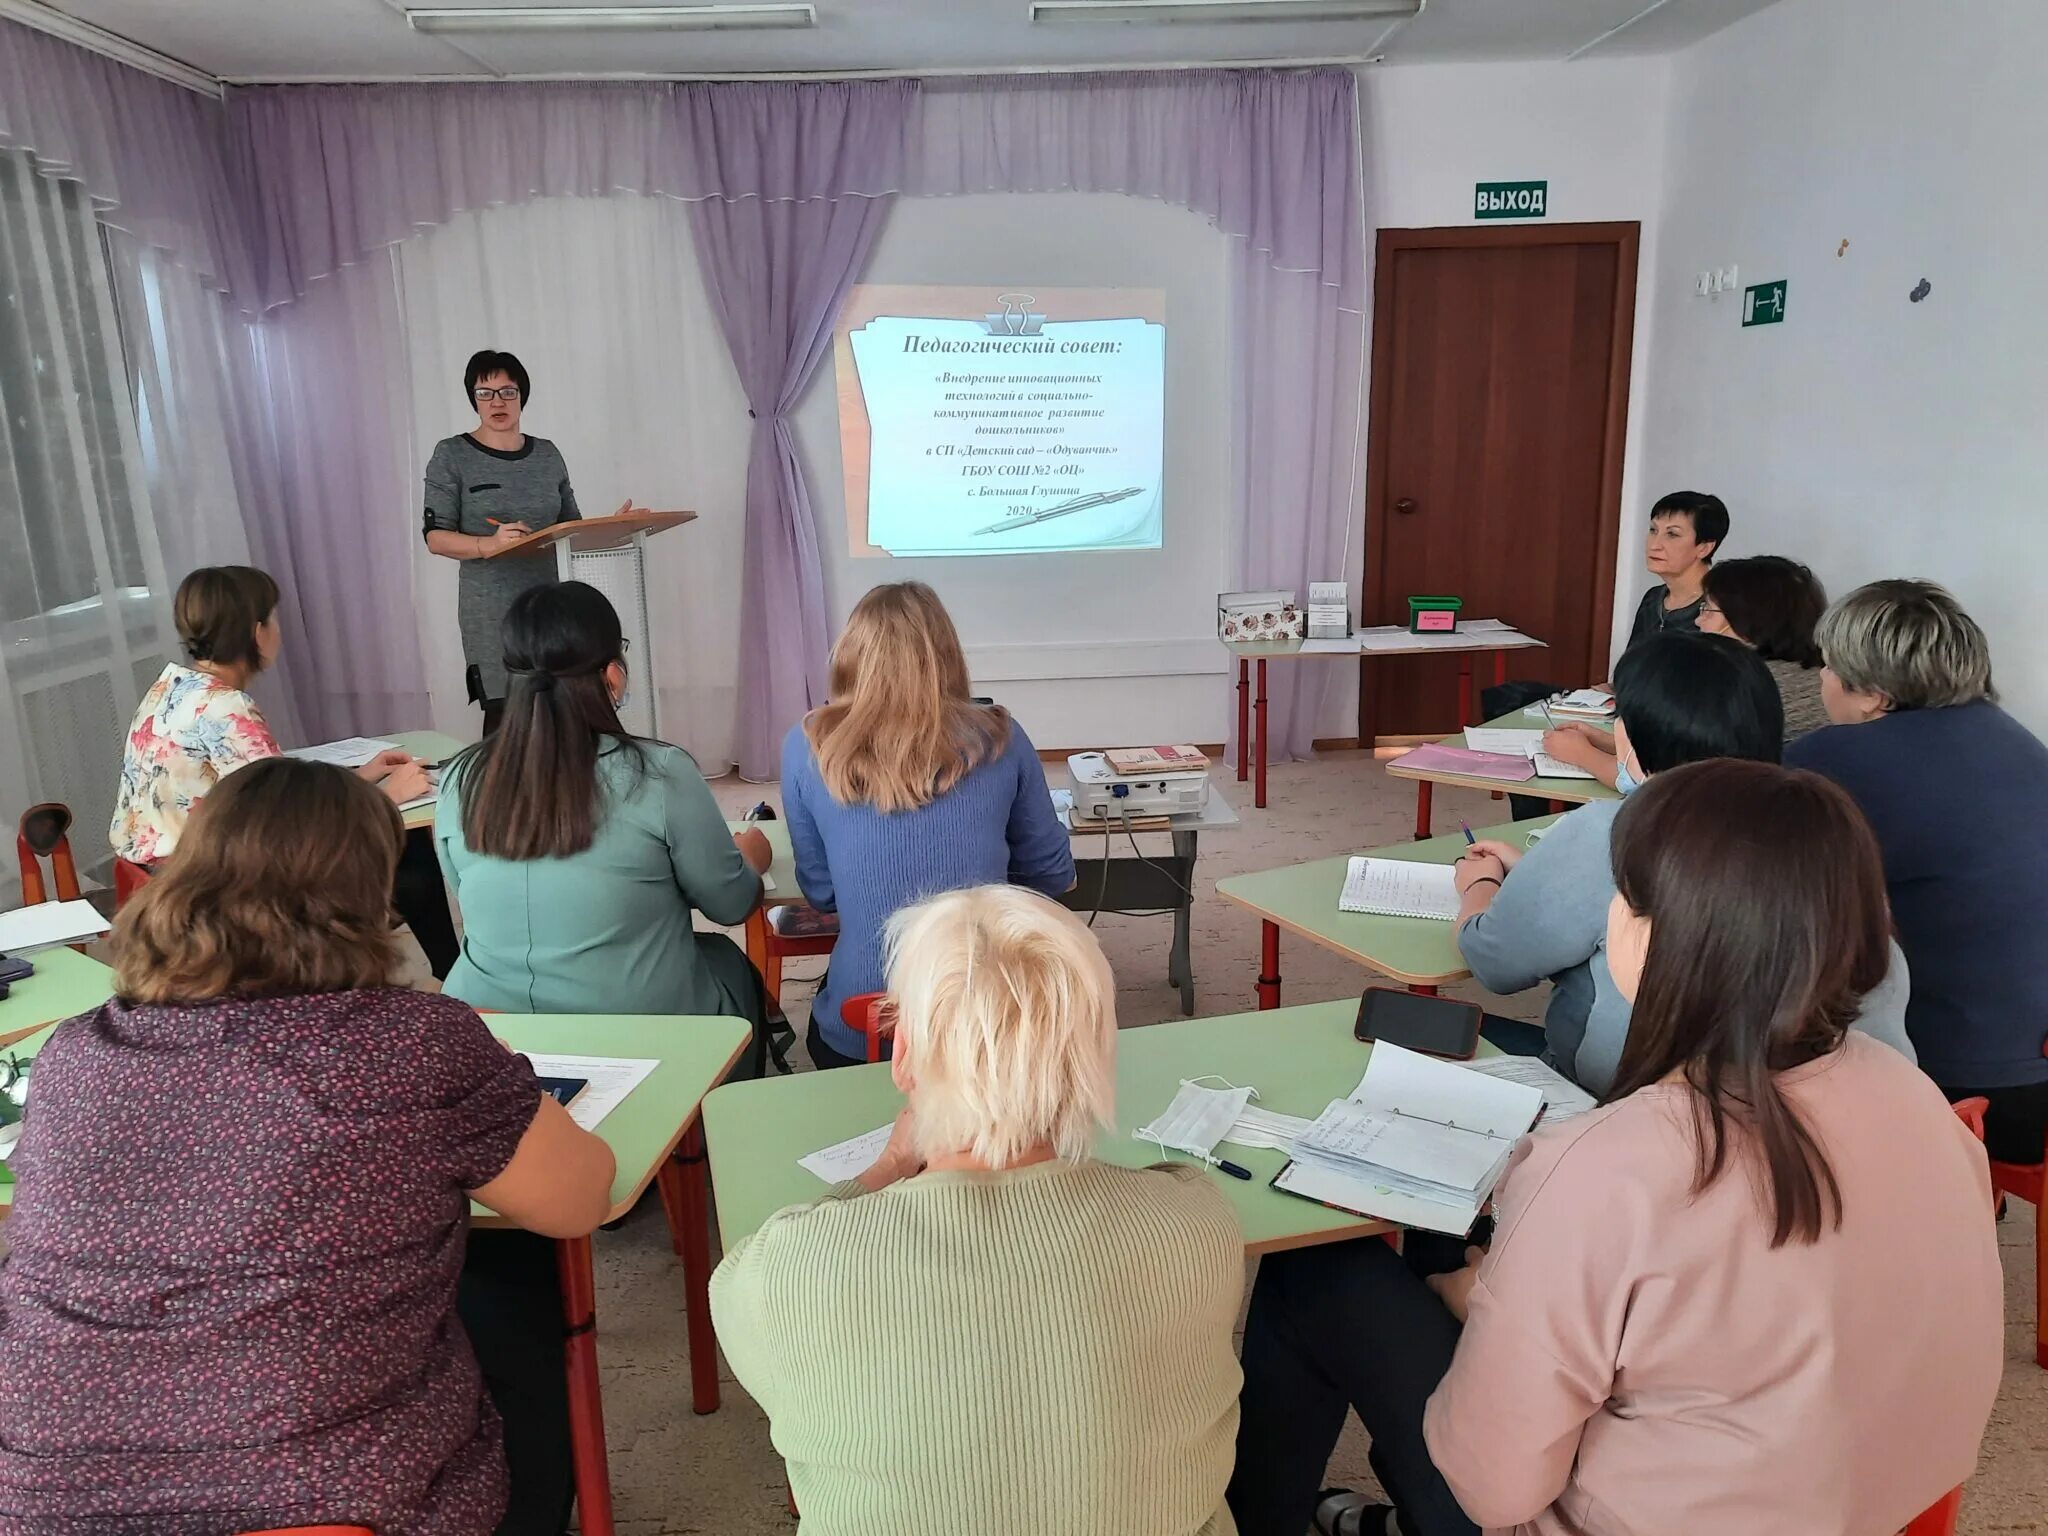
x: 586, y: 1404
x: 1244, y: 718
x: 686, y: 1190
x: 1557, y: 807
x: 1259, y: 789
x: 1500, y: 668
x: 1269, y: 966
x: 1421, y: 991
x: 1465, y: 690
x: 1425, y: 793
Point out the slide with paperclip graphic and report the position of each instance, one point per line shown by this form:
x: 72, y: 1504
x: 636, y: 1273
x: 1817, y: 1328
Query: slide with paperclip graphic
x: 1003, y: 420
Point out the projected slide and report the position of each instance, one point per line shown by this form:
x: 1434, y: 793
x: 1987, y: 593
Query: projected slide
x: 1002, y: 421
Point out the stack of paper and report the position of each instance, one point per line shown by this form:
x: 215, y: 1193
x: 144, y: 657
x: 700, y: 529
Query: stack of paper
x: 1436, y: 757
x: 1399, y: 888
x: 48, y: 924
x: 1528, y: 744
x: 1584, y: 704
x: 1329, y: 610
x: 1419, y: 1141
x: 349, y: 752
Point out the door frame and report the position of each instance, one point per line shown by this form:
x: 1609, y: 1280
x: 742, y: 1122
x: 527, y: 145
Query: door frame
x: 1626, y: 237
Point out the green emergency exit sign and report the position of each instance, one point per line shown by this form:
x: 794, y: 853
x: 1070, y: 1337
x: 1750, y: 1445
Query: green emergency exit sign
x: 1764, y: 304
x: 1510, y: 199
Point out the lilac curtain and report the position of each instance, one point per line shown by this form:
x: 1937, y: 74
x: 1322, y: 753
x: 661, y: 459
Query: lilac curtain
x: 778, y: 267
x: 1270, y: 157
x: 147, y: 152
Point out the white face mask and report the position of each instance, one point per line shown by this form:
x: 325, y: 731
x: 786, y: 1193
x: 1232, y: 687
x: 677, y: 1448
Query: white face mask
x: 1197, y: 1118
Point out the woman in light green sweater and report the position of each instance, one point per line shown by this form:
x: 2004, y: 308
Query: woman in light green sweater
x: 989, y: 1330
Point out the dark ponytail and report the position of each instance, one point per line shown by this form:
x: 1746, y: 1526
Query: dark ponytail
x: 1766, y: 898
x: 530, y: 790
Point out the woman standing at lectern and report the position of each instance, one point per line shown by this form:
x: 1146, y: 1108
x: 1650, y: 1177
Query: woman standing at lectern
x: 486, y: 489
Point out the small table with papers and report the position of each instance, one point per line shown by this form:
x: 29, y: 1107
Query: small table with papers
x: 1419, y: 952
x: 1298, y: 1058
x: 1560, y: 792
x: 1470, y: 638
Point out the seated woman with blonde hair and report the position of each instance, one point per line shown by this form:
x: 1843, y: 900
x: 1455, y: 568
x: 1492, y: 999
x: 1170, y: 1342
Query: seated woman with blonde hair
x: 242, y: 1201
x: 990, y: 1330
x: 904, y: 786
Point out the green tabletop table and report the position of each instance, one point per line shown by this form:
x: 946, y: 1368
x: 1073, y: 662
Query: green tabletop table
x: 65, y: 983
x: 432, y: 748
x: 1298, y: 1058
x: 1420, y: 952
x: 1559, y: 792
x: 656, y: 1138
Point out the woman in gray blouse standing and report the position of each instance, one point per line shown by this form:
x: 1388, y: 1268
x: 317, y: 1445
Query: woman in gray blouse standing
x: 486, y: 489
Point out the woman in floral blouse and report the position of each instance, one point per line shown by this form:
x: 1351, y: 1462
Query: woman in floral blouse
x: 197, y: 724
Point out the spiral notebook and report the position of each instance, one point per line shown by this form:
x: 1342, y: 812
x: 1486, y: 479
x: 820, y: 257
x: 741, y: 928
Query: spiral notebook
x: 1395, y: 888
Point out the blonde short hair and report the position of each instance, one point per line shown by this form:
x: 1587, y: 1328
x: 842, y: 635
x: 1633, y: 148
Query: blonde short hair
x: 1908, y: 640
x: 1006, y: 1020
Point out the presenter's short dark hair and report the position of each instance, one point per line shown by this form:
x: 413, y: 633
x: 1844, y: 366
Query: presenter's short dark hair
x: 1686, y: 698
x: 488, y: 362
x: 1707, y: 514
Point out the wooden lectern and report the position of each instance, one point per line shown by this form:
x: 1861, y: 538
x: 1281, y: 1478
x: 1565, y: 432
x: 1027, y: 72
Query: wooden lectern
x: 610, y: 553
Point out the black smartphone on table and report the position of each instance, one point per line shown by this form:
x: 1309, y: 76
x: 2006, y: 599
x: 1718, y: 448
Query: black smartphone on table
x: 1436, y: 1026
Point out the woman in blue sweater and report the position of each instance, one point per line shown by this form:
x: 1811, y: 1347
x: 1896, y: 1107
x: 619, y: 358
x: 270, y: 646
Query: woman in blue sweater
x: 902, y: 787
x: 1954, y: 787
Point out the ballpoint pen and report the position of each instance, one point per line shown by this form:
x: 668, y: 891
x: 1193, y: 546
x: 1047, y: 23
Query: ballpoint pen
x: 1078, y: 504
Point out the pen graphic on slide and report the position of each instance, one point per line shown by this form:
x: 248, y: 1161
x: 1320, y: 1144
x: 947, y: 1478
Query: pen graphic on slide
x: 1078, y: 504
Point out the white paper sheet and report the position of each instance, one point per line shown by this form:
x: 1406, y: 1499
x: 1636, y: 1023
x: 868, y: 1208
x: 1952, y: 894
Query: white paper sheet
x: 1394, y: 888
x: 1562, y: 1098
x: 1548, y: 767
x: 1506, y: 739
x: 48, y: 924
x: 847, y: 1159
x: 349, y: 752
x: 1257, y: 1127
x: 611, y: 1078
x: 1373, y: 1198
x: 1344, y: 646
x: 1398, y: 1080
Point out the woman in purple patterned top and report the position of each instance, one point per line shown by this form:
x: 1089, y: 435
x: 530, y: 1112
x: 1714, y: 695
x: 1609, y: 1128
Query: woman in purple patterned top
x: 242, y: 1198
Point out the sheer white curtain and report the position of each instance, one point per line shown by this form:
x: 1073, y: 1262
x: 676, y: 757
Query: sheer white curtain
x: 83, y: 598
x: 602, y: 300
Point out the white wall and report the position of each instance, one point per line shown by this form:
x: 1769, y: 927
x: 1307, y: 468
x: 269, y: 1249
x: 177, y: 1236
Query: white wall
x: 1593, y: 129
x: 1086, y: 649
x: 1869, y: 435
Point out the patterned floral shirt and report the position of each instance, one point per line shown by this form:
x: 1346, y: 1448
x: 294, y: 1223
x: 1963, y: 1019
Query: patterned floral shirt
x: 230, y: 1300
x: 191, y: 731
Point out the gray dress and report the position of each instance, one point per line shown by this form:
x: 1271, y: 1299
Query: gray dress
x: 471, y: 489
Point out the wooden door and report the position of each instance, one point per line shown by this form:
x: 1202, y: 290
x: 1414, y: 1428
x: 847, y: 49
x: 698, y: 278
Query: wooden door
x: 1500, y: 371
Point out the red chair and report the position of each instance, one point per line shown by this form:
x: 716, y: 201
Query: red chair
x: 129, y: 880
x: 43, y: 833
x: 768, y: 948
x: 872, y: 1014
x: 1940, y: 1520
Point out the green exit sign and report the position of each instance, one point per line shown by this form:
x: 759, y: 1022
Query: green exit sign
x: 1510, y: 199
x: 1764, y: 304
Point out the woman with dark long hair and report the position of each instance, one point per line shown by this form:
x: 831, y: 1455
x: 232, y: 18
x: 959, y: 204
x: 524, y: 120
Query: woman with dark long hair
x: 1757, y: 1290
x: 579, y: 852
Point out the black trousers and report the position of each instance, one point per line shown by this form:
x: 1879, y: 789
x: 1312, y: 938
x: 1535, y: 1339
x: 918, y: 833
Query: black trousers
x: 1504, y: 698
x: 421, y: 898
x: 825, y: 1058
x: 510, y: 1303
x: 1344, y: 1326
x: 2015, y: 1124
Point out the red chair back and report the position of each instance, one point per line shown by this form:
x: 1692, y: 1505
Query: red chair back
x: 129, y: 880
x: 871, y: 1015
x: 43, y: 833
x: 1940, y: 1520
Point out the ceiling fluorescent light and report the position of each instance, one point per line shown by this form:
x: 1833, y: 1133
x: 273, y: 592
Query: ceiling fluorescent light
x: 611, y: 18
x: 1201, y: 12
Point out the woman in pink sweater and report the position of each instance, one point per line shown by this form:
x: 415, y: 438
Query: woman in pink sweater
x: 1756, y: 1292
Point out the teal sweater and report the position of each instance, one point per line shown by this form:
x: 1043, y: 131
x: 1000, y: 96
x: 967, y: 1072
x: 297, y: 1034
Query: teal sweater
x: 607, y: 930
x: 1046, y: 1349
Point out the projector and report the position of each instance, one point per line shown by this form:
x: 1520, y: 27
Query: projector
x: 1103, y: 794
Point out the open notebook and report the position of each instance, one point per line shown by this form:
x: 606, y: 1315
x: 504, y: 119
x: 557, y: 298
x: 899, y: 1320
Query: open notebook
x: 1529, y: 744
x: 1394, y: 888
